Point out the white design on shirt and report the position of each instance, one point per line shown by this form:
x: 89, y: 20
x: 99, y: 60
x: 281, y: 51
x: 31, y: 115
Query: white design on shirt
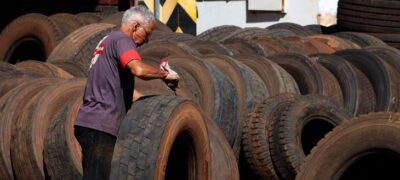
x: 99, y: 50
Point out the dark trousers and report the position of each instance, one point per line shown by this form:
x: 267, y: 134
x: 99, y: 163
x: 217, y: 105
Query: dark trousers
x: 97, y: 151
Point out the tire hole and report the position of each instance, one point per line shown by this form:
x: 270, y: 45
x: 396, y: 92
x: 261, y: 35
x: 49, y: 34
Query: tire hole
x: 314, y: 131
x: 25, y: 49
x: 378, y: 164
x: 182, y: 160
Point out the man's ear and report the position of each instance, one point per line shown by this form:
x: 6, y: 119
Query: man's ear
x: 135, y: 25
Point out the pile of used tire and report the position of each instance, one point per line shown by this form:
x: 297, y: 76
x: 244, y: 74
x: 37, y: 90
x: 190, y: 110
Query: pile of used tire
x: 379, y: 18
x: 281, y: 102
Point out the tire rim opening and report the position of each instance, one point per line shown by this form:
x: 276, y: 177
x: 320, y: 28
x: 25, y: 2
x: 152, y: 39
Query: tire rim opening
x: 182, y: 159
x: 376, y: 164
x: 313, y: 131
x: 25, y: 49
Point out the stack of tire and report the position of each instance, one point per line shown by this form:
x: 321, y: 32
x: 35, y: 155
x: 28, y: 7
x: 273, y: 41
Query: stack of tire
x: 252, y: 102
x: 379, y: 18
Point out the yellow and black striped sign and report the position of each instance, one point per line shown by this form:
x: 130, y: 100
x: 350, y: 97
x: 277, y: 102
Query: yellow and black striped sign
x: 179, y: 15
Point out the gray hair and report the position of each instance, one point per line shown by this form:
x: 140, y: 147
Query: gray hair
x: 139, y: 13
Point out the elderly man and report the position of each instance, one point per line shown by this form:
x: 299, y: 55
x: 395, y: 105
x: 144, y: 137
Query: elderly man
x: 109, y: 89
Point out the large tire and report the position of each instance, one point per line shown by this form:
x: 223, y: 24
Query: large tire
x: 379, y: 73
x: 366, y: 8
x: 354, y: 26
x: 311, y: 77
x: 211, y: 47
x: 384, y: 4
x: 172, y: 36
x: 67, y: 21
x: 249, y: 87
x: 114, y: 18
x: 295, y: 28
x: 271, y: 45
x: 217, y: 96
x: 71, y: 67
x: 12, y: 105
x: 188, y: 87
x: 173, y: 140
x: 7, y: 67
x: 12, y: 80
x: 215, y: 33
x: 387, y: 54
x: 245, y: 47
x: 88, y: 17
x: 62, y: 153
x: 302, y: 44
x: 335, y: 42
x: 245, y: 34
x: 361, y: 39
x: 43, y: 69
x: 299, y: 127
x: 275, y: 78
x: 357, y: 90
x: 364, y: 148
x: 256, y: 133
x: 78, y: 47
x: 162, y: 49
x: 17, y: 44
x: 367, y: 15
x: 27, y: 144
x: 279, y: 33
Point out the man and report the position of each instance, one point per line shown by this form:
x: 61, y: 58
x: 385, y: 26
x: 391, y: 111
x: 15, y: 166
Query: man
x: 109, y: 89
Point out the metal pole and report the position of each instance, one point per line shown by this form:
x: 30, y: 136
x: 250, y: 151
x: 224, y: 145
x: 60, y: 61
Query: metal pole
x: 157, y: 9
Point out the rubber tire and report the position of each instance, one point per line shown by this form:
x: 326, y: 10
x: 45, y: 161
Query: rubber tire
x: 335, y: 42
x: 256, y: 133
x: 276, y: 79
x: 211, y: 47
x: 311, y: 77
x: 357, y: 90
x: 248, y: 47
x: 370, y: 9
x: 12, y: 80
x: 62, y: 153
x: 45, y: 32
x: 43, y: 69
x: 12, y: 104
x: 157, y: 129
x: 213, y: 34
x: 249, y: 87
x: 359, y: 137
x: 28, y: 143
x: 286, y: 141
x: 162, y: 49
x: 377, y: 73
x: 361, y: 39
x: 71, y: 68
x: 296, y: 28
x: 78, y: 47
x: 218, y: 97
x: 385, y: 4
x: 88, y: 17
x: 67, y: 21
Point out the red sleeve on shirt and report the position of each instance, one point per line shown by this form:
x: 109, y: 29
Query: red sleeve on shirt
x: 128, y: 56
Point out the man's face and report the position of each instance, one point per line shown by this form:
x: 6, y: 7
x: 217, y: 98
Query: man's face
x: 142, y: 33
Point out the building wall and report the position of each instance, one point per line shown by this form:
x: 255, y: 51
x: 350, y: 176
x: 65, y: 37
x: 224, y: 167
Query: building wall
x: 216, y: 13
x: 327, y: 12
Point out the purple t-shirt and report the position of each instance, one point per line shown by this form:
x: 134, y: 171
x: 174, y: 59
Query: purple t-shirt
x: 109, y: 87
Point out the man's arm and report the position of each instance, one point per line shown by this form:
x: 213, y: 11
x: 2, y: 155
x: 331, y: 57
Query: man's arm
x: 145, y: 71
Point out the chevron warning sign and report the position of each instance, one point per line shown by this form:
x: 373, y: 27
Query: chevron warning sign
x: 179, y: 15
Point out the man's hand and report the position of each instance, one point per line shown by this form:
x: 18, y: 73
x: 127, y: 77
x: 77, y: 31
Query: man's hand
x: 172, y: 79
